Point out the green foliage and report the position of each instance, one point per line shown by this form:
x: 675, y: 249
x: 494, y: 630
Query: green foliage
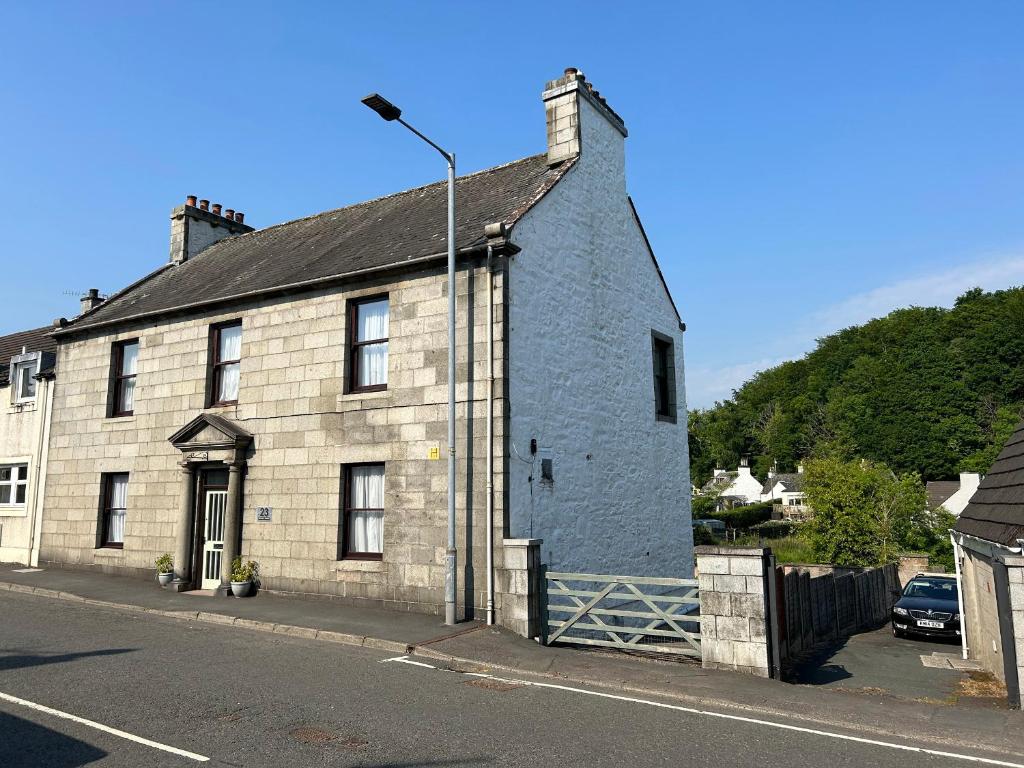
x: 775, y: 529
x: 703, y: 506
x: 928, y: 390
x: 743, y: 517
x: 864, y: 515
x: 248, y: 571
x: 703, y: 535
x: 165, y: 563
x: 792, y: 549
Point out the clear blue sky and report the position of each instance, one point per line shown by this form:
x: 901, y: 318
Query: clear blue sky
x: 798, y: 166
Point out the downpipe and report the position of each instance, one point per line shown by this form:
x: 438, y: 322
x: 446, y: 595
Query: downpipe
x: 959, y: 596
x: 490, y: 438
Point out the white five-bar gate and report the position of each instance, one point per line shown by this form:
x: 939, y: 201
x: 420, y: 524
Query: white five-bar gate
x: 626, y: 612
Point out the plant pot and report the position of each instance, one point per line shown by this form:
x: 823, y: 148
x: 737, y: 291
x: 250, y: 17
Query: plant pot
x: 164, y: 578
x: 240, y: 588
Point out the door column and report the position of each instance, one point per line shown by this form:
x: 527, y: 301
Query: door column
x: 232, y: 525
x: 183, y: 532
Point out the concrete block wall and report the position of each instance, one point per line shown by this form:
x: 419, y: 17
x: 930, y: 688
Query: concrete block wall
x: 518, y: 587
x: 293, y: 400
x: 736, y: 611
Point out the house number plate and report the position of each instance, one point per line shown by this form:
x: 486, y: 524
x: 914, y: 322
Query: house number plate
x: 264, y: 514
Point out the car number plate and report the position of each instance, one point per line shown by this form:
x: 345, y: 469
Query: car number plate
x: 931, y: 624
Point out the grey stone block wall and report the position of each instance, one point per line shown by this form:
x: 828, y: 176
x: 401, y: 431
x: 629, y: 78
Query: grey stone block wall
x: 293, y: 400
x: 518, y: 587
x: 735, y: 609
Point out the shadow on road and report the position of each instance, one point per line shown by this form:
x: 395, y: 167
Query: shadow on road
x: 25, y: 744
x: 21, y: 660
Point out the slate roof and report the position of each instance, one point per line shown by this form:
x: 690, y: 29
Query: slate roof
x: 996, y: 510
x: 723, y: 480
x: 793, y: 482
x: 36, y: 340
x: 939, y: 491
x: 386, y: 232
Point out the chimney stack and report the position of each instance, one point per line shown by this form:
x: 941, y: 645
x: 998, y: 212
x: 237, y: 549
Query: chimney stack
x: 194, y: 229
x: 91, y: 300
x: 568, y: 101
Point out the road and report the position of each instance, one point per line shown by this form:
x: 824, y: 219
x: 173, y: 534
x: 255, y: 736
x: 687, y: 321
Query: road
x: 240, y: 697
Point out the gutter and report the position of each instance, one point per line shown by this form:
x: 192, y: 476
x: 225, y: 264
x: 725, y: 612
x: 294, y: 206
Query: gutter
x: 278, y: 289
x: 960, y: 595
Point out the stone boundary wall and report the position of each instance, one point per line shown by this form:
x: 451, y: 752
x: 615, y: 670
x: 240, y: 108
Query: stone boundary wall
x: 518, y: 587
x: 821, y: 603
x: 737, y: 627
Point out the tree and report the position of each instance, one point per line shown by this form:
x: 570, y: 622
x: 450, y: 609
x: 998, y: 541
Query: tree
x: 864, y: 515
x: 924, y: 389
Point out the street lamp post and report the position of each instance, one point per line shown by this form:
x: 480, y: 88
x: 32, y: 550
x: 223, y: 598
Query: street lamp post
x: 390, y: 112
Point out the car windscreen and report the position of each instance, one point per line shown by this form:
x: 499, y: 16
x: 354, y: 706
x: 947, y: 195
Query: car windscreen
x: 934, y: 589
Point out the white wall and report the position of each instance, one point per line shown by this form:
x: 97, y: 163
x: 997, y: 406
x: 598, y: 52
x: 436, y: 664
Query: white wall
x: 584, y: 298
x: 23, y: 441
x: 969, y: 482
x: 744, y: 486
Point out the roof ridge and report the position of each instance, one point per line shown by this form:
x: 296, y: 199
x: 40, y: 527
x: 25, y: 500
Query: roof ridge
x: 372, y: 200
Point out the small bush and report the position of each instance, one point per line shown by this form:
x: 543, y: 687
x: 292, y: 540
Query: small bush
x: 703, y: 535
x: 775, y: 529
x: 743, y: 517
x: 165, y: 563
x: 248, y: 571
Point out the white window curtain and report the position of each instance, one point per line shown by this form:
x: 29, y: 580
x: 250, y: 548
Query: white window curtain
x: 366, y: 504
x: 373, y: 358
x: 118, y: 509
x: 129, y: 367
x: 230, y: 349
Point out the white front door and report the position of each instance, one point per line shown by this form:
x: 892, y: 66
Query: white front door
x: 216, y: 504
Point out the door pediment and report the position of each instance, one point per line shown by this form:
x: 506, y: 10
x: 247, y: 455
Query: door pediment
x: 209, y: 432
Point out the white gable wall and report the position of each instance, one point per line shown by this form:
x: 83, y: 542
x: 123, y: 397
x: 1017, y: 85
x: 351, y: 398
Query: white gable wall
x: 584, y: 298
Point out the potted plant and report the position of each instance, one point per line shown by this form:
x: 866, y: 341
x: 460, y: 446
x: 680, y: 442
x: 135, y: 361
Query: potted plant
x: 164, y: 569
x: 243, y: 575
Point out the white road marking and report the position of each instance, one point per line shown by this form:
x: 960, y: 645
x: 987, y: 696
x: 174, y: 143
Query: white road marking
x: 737, y: 718
x: 100, y: 727
x: 407, y: 660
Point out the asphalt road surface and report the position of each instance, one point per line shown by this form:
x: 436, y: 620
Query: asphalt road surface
x: 151, y: 691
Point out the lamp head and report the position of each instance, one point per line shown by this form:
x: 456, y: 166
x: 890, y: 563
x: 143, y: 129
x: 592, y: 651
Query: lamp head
x: 382, y: 107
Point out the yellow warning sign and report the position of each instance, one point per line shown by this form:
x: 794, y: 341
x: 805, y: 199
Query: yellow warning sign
x: 434, y: 453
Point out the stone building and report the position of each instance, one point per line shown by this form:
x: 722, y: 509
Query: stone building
x: 281, y: 393
x: 26, y: 379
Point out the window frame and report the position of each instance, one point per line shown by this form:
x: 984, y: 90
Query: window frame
x: 106, y: 497
x: 217, y: 365
x: 354, y: 345
x: 13, y: 484
x: 31, y: 363
x: 347, y: 509
x: 117, y: 376
x: 663, y: 351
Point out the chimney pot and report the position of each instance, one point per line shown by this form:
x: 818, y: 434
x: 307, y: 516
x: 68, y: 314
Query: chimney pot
x: 239, y: 217
x: 204, y: 205
x: 191, y: 200
x: 215, y: 209
x: 229, y: 214
x: 571, y: 72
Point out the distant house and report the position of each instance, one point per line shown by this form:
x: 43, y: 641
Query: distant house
x: 989, y: 539
x: 26, y: 373
x: 734, y: 488
x: 952, y: 495
x: 787, y: 491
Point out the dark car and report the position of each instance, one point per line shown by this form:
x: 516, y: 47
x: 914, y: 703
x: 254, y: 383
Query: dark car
x: 929, y: 606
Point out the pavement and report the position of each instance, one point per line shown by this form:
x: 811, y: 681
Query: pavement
x: 477, y: 649
x: 114, y: 688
